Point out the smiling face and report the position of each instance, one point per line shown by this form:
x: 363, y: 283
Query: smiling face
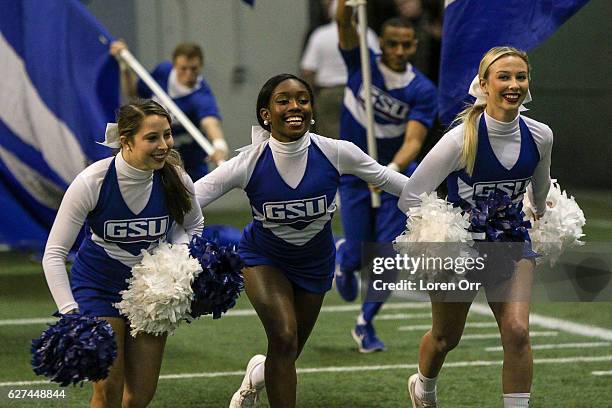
x: 289, y: 111
x: 506, y: 86
x: 148, y: 148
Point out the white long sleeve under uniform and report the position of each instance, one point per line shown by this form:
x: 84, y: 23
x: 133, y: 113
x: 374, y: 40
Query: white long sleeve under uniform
x: 291, y: 188
x: 510, y: 156
x: 124, y: 211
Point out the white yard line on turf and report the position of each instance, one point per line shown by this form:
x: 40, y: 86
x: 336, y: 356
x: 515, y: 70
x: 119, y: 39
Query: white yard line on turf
x: 601, y: 372
x: 246, y: 312
x: 553, y: 323
x: 21, y: 322
x: 558, y: 346
x: 356, y: 369
x: 546, y: 322
x: 387, y: 306
x: 496, y: 335
x: 416, y: 327
x: 403, y: 316
x: 600, y: 223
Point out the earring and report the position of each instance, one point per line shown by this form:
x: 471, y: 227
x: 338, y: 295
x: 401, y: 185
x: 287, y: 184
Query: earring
x: 266, y: 122
x: 312, y: 121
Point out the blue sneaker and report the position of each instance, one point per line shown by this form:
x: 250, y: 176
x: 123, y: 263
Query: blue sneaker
x: 346, y: 282
x: 366, y: 338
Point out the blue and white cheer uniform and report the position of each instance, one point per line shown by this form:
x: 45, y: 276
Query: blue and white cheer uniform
x: 291, y: 189
x: 513, y: 157
x: 124, y: 211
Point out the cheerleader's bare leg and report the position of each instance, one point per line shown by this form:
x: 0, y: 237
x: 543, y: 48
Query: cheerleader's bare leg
x: 143, y: 359
x: 288, y: 315
x: 109, y: 392
x: 133, y: 377
x: 513, y: 321
x: 448, y: 322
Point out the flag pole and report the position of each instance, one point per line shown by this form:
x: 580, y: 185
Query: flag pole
x: 143, y: 74
x: 362, y: 29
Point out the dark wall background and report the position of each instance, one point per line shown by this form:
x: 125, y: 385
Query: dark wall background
x: 571, y: 84
x: 119, y: 18
x: 572, y: 91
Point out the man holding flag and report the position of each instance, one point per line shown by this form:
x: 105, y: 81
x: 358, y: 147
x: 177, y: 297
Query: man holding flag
x: 181, y: 79
x: 404, y: 104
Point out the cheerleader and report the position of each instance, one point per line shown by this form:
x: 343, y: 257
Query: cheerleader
x: 290, y: 177
x: 493, y: 143
x: 127, y: 203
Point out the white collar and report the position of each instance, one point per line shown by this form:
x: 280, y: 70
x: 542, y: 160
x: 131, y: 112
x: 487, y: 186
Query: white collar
x: 393, y: 79
x: 177, y: 90
x: 125, y: 169
x: 259, y: 135
x: 290, y: 148
x: 501, y: 128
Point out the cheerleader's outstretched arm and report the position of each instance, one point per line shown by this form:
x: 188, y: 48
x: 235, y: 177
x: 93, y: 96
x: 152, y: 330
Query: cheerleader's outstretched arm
x: 442, y: 159
x: 231, y: 174
x: 352, y: 160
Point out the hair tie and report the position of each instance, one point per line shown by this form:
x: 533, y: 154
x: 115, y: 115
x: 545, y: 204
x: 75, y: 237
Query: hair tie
x: 111, y: 136
x: 258, y: 136
x: 481, y: 99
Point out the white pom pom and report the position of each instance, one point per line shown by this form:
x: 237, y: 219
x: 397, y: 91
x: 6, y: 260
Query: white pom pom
x: 160, y: 294
x: 435, y: 220
x: 559, y: 228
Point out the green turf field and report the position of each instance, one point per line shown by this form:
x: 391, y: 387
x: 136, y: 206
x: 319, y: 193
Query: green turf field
x: 204, y: 361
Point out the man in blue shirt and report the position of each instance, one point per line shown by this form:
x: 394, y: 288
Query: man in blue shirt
x: 181, y: 79
x: 404, y: 104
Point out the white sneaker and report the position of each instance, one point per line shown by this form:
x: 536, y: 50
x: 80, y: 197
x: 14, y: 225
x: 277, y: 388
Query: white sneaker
x: 418, y: 402
x: 248, y: 394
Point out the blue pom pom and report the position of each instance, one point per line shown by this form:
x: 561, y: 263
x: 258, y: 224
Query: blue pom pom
x: 219, y: 284
x: 500, y: 221
x: 75, y: 349
x: 498, y: 218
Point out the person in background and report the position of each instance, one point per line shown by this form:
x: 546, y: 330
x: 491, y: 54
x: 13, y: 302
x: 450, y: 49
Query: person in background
x: 181, y: 79
x: 322, y: 66
x: 425, y: 16
x: 404, y: 104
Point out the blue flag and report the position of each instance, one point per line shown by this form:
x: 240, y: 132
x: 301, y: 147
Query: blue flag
x: 472, y: 27
x: 58, y: 88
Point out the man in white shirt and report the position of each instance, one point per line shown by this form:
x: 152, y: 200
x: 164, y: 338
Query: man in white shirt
x: 322, y: 66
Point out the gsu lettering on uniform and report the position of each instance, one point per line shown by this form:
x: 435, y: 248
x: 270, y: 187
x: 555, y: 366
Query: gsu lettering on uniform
x: 287, y: 212
x: 136, y: 230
